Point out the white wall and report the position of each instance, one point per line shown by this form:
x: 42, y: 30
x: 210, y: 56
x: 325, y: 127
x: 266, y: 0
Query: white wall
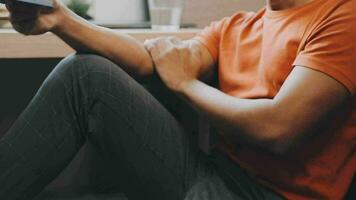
x: 202, y: 12
x: 116, y: 10
x: 119, y: 10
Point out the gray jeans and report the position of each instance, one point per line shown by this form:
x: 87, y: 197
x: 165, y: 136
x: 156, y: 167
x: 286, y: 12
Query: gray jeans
x: 87, y: 97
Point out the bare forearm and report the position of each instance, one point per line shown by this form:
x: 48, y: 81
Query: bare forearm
x: 239, y: 119
x: 121, y: 48
x: 305, y: 101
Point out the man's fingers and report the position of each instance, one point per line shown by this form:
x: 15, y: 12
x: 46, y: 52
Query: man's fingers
x: 20, y: 17
x: 7, y: 5
x: 148, y: 44
x: 157, y: 47
x: 15, y: 6
x: 152, y: 48
x: 151, y: 43
x: 24, y: 27
x: 175, y: 40
x: 20, y: 12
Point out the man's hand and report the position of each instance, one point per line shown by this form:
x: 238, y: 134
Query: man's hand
x: 81, y: 35
x: 31, y: 19
x: 177, y: 62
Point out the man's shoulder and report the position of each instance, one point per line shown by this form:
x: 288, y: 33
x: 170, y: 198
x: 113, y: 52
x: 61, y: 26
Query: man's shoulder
x: 338, y: 8
x: 335, y: 14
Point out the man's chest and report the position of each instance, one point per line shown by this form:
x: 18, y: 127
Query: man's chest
x: 255, y: 61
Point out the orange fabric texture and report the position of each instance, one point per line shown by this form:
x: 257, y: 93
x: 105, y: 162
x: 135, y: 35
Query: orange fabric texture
x: 256, y: 52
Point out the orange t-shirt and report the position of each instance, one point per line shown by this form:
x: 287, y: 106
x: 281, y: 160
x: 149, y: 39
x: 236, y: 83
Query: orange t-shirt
x: 256, y: 52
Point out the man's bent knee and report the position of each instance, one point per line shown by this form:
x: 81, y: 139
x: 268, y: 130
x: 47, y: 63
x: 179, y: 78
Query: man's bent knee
x: 82, y: 64
x: 78, y: 71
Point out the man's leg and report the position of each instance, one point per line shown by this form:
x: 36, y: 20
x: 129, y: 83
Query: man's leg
x: 88, y: 97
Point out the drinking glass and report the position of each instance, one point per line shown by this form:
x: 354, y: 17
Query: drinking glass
x: 165, y: 14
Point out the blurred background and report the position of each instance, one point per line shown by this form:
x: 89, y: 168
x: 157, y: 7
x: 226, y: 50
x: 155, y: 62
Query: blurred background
x: 197, y: 12
x: 202, y: 12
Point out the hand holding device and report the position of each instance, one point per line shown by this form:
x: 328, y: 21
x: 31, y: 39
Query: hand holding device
x: 46, y: 3
x: 33, y: 17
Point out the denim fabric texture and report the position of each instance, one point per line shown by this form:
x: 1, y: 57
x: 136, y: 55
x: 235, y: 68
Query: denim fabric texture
x: 89, y: 98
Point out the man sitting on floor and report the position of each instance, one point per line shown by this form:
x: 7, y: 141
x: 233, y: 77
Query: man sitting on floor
x: 283, y: 111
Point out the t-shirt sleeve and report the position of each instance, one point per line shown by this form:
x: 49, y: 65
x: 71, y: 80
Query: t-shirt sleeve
x: 331, y: 48
x: 210, y: 37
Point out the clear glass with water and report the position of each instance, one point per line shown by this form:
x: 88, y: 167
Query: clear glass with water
x: 165, y: 14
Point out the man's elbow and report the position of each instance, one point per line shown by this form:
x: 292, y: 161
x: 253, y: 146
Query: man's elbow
x: 145, y: 67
